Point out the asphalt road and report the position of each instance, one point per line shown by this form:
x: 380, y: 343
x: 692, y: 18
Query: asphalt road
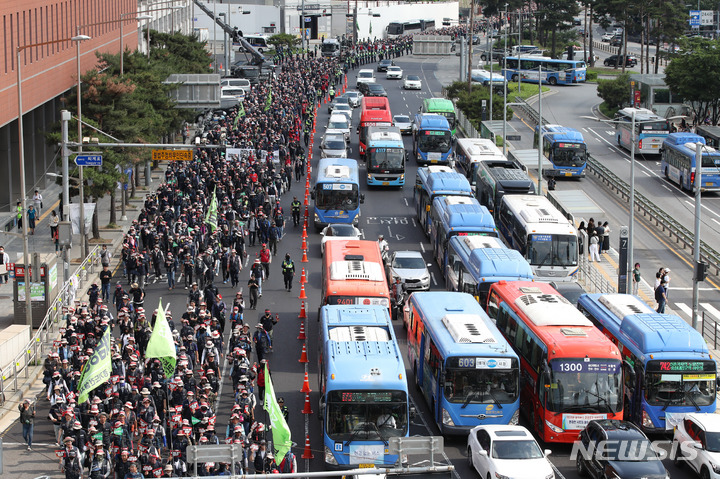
x: 390, y: 212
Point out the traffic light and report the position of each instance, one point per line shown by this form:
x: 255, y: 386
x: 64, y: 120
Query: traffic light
x: 571, y: 52
x: 700, y: 270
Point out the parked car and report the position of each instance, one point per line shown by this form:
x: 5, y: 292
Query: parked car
x: 375, y: 89
x: 412, y: 82
x: 411, y: 268
x: 495, y: 54
x: 334, y: 146
x: 339, y: 231
x: 618, y: 449
x: 700, y: 434
x: 403, y: 122
x: 617, y: 60
x: 384, y: 64
x: 354, y: 97
x: 337, y: 101
x: 505, y: 451
x: 394, y: 72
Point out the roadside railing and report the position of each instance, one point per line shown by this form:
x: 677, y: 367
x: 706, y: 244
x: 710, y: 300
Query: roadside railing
x: 45, y: 337
x: 710, y: 331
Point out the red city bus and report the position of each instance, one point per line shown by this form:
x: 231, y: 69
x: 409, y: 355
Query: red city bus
x: 374, y: 111
x: 353, y: 273
x: 570, y: 371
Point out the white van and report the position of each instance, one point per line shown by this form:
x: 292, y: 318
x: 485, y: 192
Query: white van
x: 365, y: 76
x: 260, y: 42
x: 338, y: 124
x: 242, y: 83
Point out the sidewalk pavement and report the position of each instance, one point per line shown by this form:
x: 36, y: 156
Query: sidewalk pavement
x: 31, y: 385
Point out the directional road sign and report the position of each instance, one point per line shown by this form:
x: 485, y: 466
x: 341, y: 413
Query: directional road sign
x: 88, y: 160
x: 694, y: 18
x: 172, y: 155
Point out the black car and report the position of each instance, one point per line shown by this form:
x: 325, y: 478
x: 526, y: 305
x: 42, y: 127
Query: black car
x: 617, y: 60
x: 616, y: 41
x: 375, y: 89
x: 496, y: 54
x: 613, y: 448
x: 384, y: 64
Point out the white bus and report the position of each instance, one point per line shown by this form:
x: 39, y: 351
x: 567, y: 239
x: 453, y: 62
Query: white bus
x: 547, y: 240
x: 469, y: 152
x: 650, y: 130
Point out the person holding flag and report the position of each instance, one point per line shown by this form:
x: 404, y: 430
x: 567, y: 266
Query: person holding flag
x: 282, y: 439
x: 161, y: 344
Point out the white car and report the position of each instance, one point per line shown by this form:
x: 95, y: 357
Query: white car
x: 394, y: 73
x: 699, y: 434
x: 411, y: 268
x: 412, y: 82
x: 345, y: 109
x: 499, y: 451
x: 404, y: 123
x: 365, y: 75
x: 606, y: 37
x: 354, y: 97
x: 338, y: 232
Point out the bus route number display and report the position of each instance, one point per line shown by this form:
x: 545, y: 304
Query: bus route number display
x: 541, y: 237
x: 435, y: 132
x: 681, y: 366
x: 369, y: 396
x: 483, y: 363
x: 585, y: 367
x: 336, y: 186
x: 568, y: 145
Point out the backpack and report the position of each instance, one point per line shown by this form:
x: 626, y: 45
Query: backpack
x: 286, y: 465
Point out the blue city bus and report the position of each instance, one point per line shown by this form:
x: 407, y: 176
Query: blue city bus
x: 337, y: 192
x: 434, y: 181
x: 554, y: 72
x: 432, y: 139
x: 466, y: 370
x: 363, y: 390
x: 565, y: 148
x: 457, y: 216
x: 385, y: 155
x: 666, y: 364
x: 474, y: 263
x: 679, y: 162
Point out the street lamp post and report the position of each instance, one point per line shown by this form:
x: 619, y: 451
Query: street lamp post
x: 21, y: 158
x: 696, y: 243
x: 83, y: 241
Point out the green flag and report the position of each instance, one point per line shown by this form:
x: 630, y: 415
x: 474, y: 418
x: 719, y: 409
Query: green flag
x: 211, y: 217
x: 280, y: 429
x: 268, y: 99
x: 98, y: 436
x: 194, y: 420
x: 370, y: 28
x: 97, y: 370
x: 241, y: 112
x: 118, y: 431
x: 161, y: 344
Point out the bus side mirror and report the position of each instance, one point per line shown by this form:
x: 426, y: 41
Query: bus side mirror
x: 413, y: 412
x: 630, y: 371
x: 362, y: 198
x: 312, y: 194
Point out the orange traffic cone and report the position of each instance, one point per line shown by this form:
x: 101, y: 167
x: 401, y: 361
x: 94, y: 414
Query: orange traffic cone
x: 306, y: 218
x: 302, y: 327
x: 307, y: 454
x: 302, y: 288
x: 307, y: 201
x: 304, y: 243
x: 306, y: 384
x: 303, y: 356
x: 304, y: 233
x: 303, y: 278
x: 307, y: 409
x: 302, y: 315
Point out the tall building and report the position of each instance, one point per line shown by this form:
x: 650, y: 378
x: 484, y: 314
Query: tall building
x: 49, y: 70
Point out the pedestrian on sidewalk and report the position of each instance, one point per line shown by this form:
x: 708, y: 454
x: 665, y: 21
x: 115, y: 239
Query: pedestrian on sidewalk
x: 54, y: 222
x: 594, y: 246
x: 636, y: 279
x: 4, y: 260
x: 32, y: 216
x: 666, y: 278
x: 27, y: 417
x: 38, y: 201
x: 661, y: 297
x: 105, y: 277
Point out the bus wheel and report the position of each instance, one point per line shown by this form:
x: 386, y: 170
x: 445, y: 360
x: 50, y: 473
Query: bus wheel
x: 552, y: 81
x: 514, y: 77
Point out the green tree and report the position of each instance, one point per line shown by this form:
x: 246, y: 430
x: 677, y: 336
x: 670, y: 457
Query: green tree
x: 615, y: 93
x: 284, y: 40
x: 555, y: 16
x: 470, y: 103
x: 693, y: 77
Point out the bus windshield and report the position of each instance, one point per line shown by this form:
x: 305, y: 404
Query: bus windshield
x: 329, y: 47
x: 386, y: 158
x: 481, y: 386
x: 395, y: 29
x: 337, y: 196
x: 450, y: 115
x: 594, y: 385
x: 677, y: 388
x: 552, y: 250
x: 366, y: 415
x: 569, y: 154
x: 434, y: 140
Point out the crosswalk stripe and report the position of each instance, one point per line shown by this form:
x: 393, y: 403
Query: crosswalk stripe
x: 712, y: 310
x: 684, y: 308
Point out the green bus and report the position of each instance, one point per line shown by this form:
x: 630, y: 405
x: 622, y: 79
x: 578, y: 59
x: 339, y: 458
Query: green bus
x: 441, y: 106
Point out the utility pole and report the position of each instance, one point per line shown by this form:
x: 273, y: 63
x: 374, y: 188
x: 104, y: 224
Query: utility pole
x: 470, y: 46
x: 65, y: 117
x: 696, y: 243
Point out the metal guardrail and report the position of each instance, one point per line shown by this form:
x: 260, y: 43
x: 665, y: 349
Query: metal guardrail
x: 647, y: 208
x: 710, y: 330
x: 42, y: 341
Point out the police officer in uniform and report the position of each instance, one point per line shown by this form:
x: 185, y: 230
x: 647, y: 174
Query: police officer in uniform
x: 295, y: 207
x: 288, y: 271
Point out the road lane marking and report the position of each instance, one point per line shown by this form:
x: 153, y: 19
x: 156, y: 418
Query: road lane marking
x: 712, y: 310
x: 422, y: 247
x: 684, y: 308
x: 432, y: 275
x: 406, y: 202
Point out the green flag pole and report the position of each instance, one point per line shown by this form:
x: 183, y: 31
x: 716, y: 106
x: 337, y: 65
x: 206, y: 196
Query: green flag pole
x: 280, y: 431
x: 161, y: 344
x: 97, y: 370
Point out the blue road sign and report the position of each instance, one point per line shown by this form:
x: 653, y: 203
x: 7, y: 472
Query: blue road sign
x: 694, y: 18
x: 88, y: 160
